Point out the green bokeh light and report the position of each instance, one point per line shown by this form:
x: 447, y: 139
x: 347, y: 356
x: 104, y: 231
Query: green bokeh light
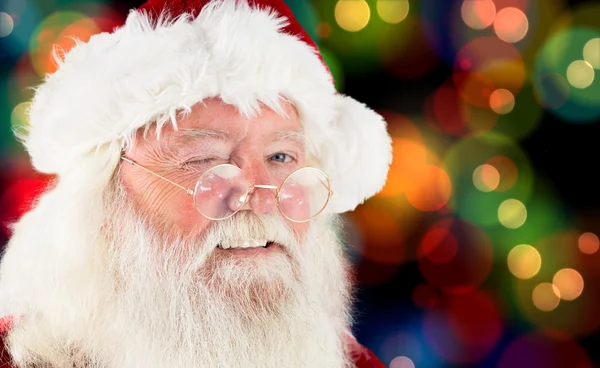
x: 574, y: 104
x: 361, y: 52
x: 545, y: 214
x: 462, y: 159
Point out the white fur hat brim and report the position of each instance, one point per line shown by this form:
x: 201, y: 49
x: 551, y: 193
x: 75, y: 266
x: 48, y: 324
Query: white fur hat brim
x: 149, y: 70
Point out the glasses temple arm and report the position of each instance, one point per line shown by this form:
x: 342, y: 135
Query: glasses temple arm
x: 187, y: 190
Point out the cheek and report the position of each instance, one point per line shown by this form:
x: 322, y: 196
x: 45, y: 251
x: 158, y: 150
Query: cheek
x: 168, y: 209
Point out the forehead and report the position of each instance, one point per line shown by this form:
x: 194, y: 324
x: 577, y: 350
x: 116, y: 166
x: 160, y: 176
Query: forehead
x: 217, y: 119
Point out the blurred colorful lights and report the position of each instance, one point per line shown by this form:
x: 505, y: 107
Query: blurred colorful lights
x: 56, y: 35
x: 19, y: 120
x: 439, y: 246
x: 455, y: 271
x: 511, y: 25
x: 393, y: 11
x: 512, y: 213
x: 524, y: 261
x: 569, y: 283
x: 352, y: 15
x: 7, y: 24
x: 507, y: 170
x: 546, y: 296
x: 591, y: 52
x: 478, y: 14
x: 588, y: 243
x: 486, y: 178
x: 564, y: 82
x: 502, y: 101
x: 580, y: 74
x: 402, y: 362
x: 430, y: 188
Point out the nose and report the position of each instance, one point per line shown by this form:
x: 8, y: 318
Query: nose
x: 262, y: 195
x: 262, y: 200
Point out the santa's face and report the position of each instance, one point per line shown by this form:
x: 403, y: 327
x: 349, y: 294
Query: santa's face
x: 267, y: 148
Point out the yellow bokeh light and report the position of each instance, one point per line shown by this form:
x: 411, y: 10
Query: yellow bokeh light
x: 6, y: 24
x: 511, y: 25
x: 546, y: 297
x: 569, y: 283
x: 580, y: 74
x: 512, y: 213
x: 19, y: 118
x: 352, y: 15
x: 588, y: 243
x: 393, y: 11
x: 591, y: 52
x: 502, y: 101
x: 478, y: 14
x: 486, y: 178
x: 524, y: 261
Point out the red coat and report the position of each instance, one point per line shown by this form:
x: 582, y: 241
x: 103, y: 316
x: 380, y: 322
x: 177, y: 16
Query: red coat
x: 362, y: 357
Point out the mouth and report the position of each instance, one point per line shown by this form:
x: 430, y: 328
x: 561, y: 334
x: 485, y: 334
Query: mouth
x: 246, y: 244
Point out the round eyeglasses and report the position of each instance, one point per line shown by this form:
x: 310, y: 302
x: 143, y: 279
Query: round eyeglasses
x: 223, y: 190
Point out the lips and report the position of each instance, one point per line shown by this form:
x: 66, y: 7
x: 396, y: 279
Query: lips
x: 244, y: 244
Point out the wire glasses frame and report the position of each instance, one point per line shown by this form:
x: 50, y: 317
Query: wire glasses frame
x: 246, y: 196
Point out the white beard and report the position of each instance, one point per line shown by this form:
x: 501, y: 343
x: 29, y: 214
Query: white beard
x: 158, y: 302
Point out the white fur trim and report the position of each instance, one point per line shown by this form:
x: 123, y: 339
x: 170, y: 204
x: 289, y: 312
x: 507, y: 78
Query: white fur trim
x: 108, y: 88
x: 358, y: 161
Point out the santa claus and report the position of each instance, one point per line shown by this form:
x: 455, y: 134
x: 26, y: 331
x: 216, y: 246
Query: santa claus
x: 202, y: 158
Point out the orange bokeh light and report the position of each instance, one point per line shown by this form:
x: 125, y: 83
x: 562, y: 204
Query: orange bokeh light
x: 58, y: 38
x: 430, y: 188
x: 511, y: 25
x: 588, y: 243
x: 408, y: 158
x: 478, y: 14
x: 502, y: 101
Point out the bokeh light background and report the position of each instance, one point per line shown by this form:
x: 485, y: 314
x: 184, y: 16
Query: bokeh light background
x: 482, y: 250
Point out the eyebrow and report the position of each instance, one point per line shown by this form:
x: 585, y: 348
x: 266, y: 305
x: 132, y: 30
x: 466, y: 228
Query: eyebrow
x: 188, y: 134
x: 294, y: 135
x: 186, y: 137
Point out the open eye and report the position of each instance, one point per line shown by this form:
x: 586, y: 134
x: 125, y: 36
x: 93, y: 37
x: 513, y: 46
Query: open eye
x: 282, y: 157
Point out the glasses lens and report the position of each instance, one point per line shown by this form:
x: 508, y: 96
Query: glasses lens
x: 304, y: 194
x: 221, y: 192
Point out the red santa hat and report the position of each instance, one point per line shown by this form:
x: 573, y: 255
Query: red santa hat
x: 170, y: 55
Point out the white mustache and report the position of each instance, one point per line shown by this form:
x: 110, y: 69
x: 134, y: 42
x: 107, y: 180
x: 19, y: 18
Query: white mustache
x: 248, y: 226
